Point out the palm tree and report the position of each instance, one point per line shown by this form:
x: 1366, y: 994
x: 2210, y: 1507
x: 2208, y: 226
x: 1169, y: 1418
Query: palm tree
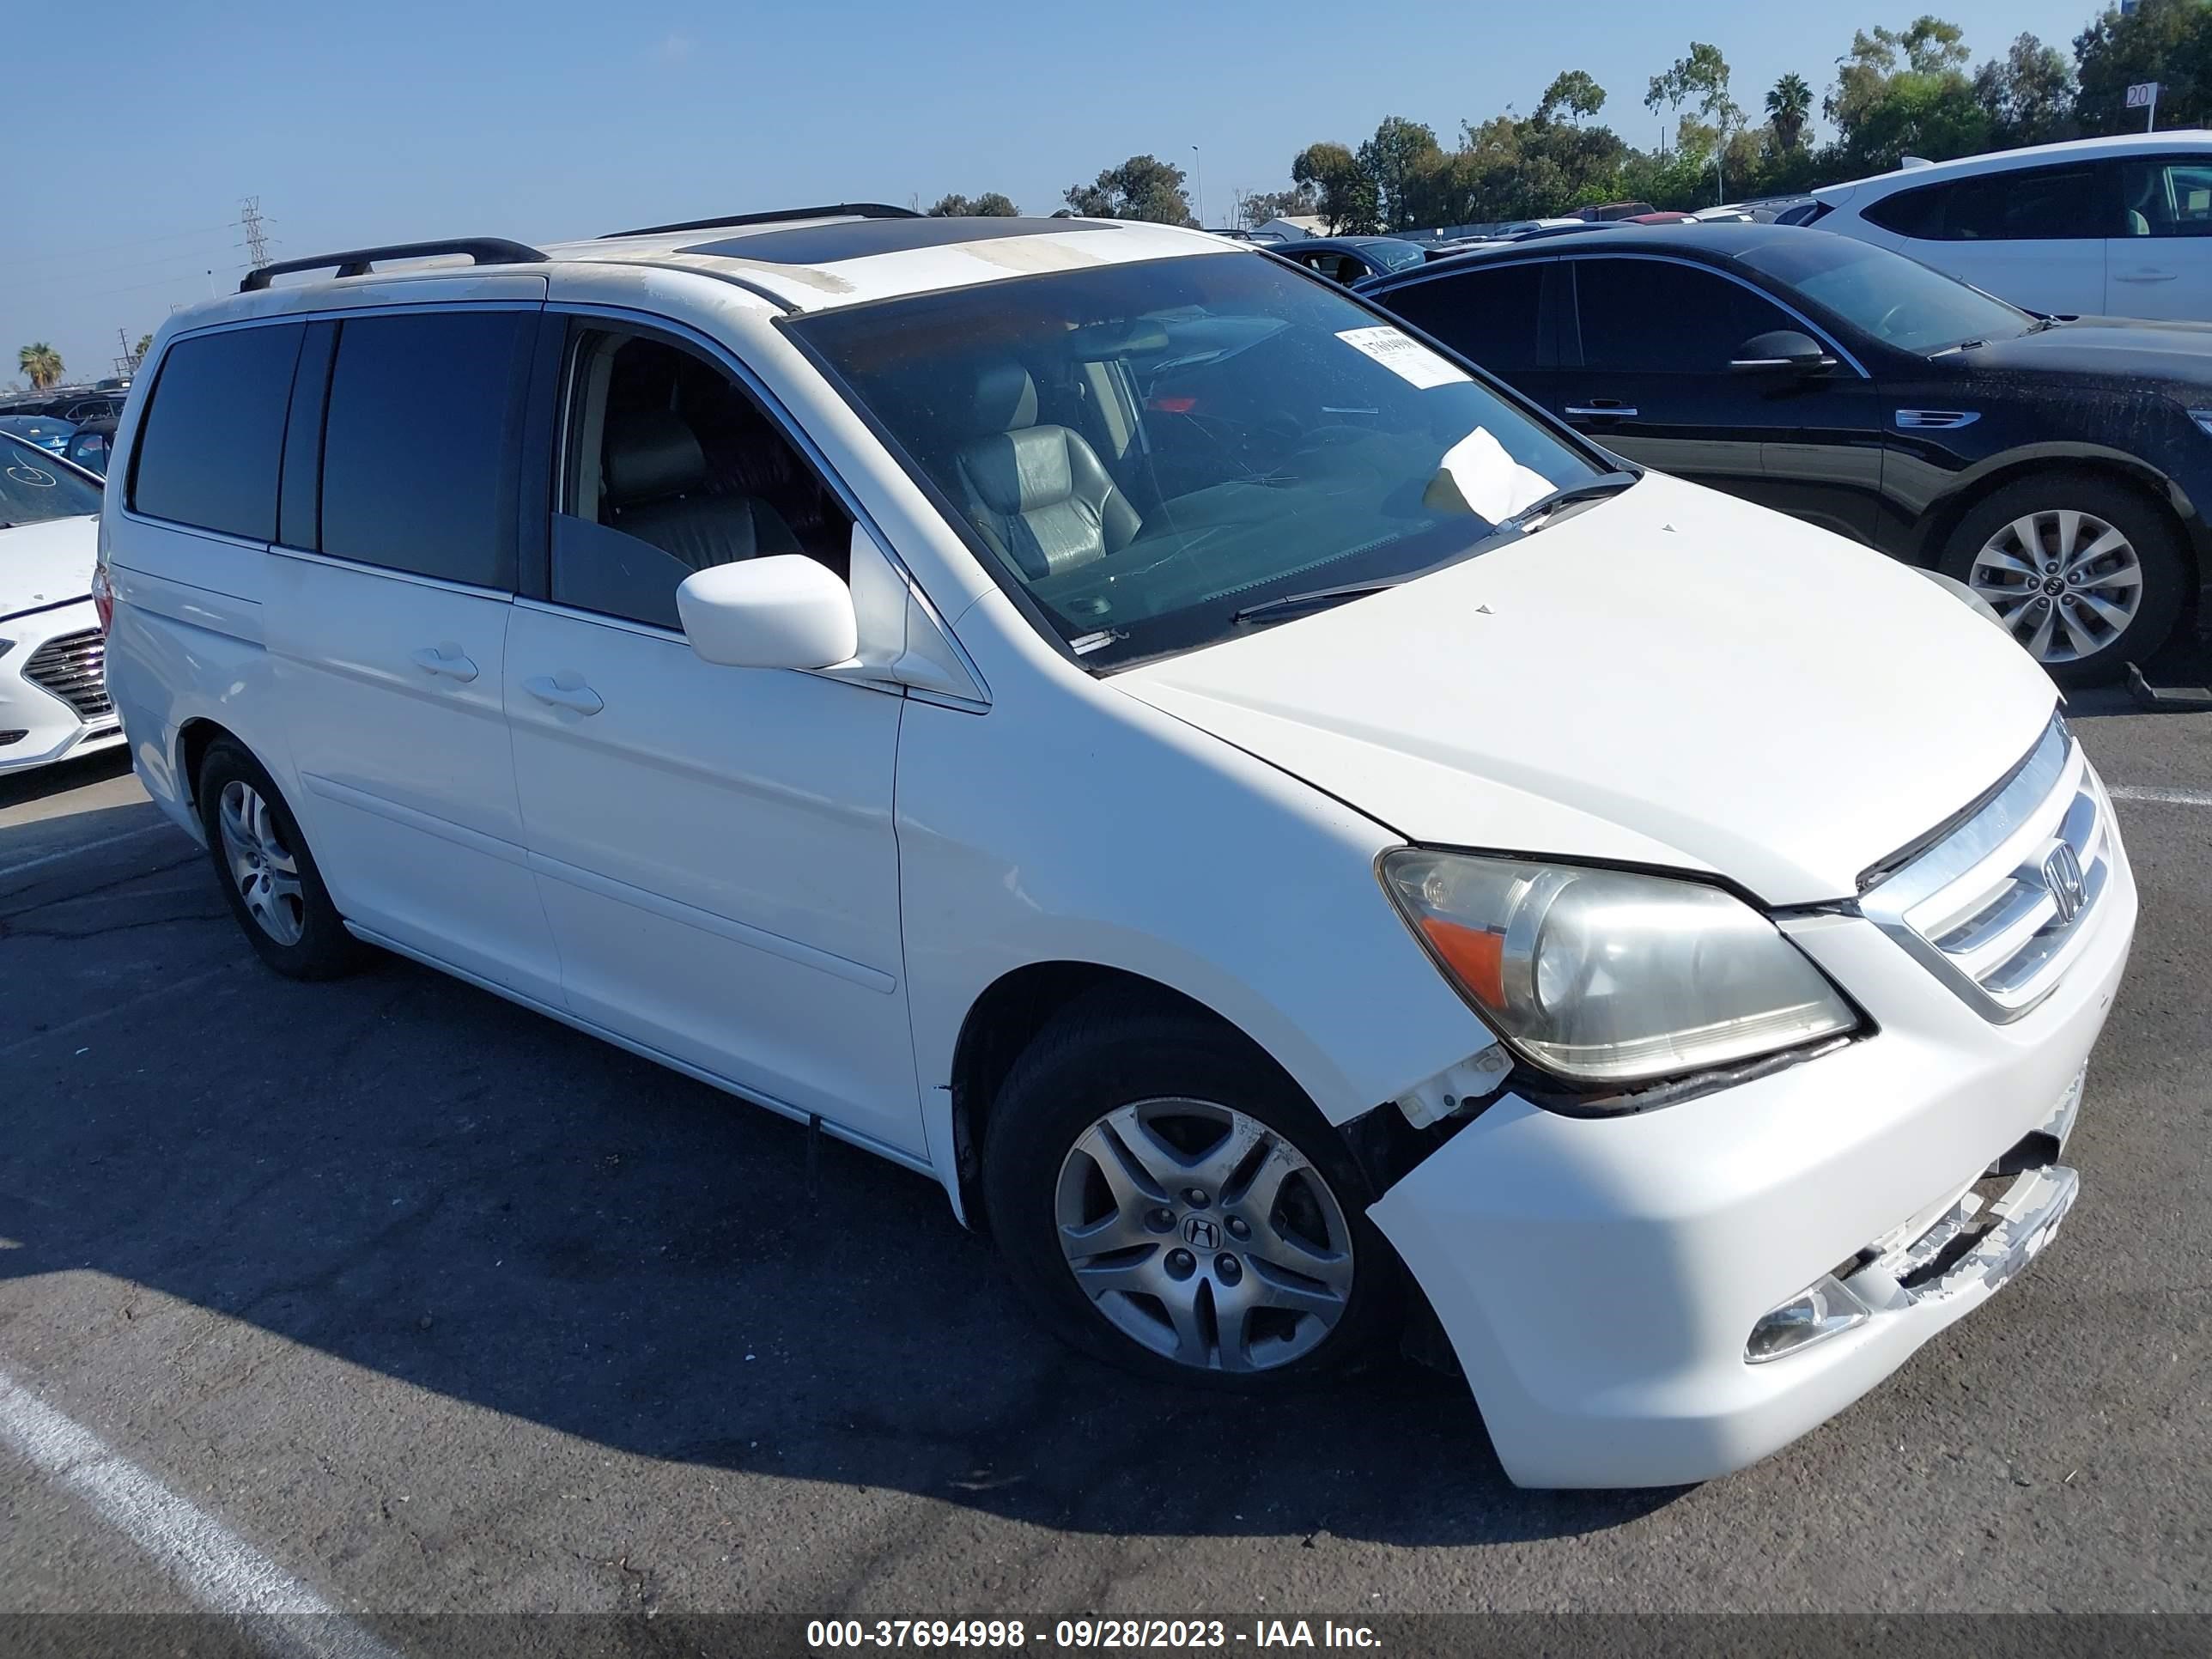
x: 1788, y: 105
x: 42, y: 363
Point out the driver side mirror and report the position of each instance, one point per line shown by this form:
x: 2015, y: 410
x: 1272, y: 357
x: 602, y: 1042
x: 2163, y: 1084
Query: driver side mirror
x: 1784, y: 351
x: 783, y: 611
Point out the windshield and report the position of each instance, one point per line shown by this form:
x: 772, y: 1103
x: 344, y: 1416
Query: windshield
x: 35, y: 487
x: 1147, y: 449
x: 1899, y: 301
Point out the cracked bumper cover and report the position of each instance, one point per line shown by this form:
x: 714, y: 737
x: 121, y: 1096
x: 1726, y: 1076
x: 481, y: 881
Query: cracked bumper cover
x: 1598, y: 1276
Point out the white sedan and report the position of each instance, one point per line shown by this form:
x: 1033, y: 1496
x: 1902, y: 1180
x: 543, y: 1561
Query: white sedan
x: 52, y: 704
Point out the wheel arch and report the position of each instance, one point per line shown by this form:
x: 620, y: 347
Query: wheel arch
x: 1007, y: 1017
x: 2158, y: 488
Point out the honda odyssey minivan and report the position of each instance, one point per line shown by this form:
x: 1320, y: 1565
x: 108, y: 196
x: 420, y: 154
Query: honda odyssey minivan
x: 1293, y: 840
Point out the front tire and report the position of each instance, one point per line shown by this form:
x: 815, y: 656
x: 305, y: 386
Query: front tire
x: 268, y: 876
x: 2084, y: 572
x: 1166, y: 1200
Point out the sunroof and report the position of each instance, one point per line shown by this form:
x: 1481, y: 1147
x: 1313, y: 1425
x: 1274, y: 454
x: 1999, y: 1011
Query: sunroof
x: 856, y: 239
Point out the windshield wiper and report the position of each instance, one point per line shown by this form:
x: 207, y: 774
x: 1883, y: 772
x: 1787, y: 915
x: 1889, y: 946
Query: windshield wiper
x: 1529, y: 518
x: 1963, y: 345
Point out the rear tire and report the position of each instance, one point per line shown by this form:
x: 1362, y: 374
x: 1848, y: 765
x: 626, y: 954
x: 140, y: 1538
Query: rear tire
x: 2084, y: 572
x: 1166, y: 1200
x: 268, y: 876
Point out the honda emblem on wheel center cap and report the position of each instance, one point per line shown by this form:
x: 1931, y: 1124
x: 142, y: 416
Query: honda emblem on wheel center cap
x: 1201, y: 1233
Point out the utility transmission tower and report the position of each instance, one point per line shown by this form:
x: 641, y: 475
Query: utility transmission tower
x: 126, y: 360
x: 256, y: 240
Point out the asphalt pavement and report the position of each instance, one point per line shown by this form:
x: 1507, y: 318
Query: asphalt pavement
x: 389, y: 1297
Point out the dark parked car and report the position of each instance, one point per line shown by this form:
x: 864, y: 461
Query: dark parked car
x: 1348, y: 258
x: 50, y: 432
x: 2060, y: 467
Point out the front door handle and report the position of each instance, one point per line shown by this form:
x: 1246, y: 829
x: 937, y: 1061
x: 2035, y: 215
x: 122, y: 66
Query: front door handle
x: 448, y: 659
x: 1604, y: 409
x: 576, y: 697
x: 2146, y: 275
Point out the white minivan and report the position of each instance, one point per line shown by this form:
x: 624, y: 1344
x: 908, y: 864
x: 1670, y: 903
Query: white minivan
x: 2116, y: 227
x: 1294, y: 841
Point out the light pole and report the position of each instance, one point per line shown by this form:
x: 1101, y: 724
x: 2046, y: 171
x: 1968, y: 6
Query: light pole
x: 1198, y: 172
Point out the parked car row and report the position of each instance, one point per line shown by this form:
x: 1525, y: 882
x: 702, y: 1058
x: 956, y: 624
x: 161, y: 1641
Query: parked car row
x: 1281, y: 828
x: 53, y: 703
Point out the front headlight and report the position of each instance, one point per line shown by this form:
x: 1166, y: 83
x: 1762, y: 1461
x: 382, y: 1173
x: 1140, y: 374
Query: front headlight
x: 1602, y: 976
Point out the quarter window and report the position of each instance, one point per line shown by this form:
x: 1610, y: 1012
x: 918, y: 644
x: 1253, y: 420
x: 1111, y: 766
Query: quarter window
x: 1707, y: 316
x: 213, y: 435
x: 670, y: 467
x: 1490, y: 316
x: 2060, y: 203
x: 419, y: 443
x: 2167, y: 199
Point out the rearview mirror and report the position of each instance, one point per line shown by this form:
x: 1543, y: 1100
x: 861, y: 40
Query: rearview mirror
x: 1784, y: 351
x: 783, y: 611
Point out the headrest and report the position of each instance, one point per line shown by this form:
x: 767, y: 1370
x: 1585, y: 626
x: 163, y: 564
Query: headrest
x: 1005, y: 398
x: 650, y: 453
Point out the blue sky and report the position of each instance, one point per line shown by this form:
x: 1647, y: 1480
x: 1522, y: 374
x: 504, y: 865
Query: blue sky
x: 145, y: 124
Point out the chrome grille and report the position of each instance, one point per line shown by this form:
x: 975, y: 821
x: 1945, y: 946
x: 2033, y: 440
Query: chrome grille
x: 1998, y: 906
x: 69, y: 665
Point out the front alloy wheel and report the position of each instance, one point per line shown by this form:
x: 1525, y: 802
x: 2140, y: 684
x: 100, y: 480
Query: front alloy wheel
x: 1197, y: 1231
x: 2067, y: 584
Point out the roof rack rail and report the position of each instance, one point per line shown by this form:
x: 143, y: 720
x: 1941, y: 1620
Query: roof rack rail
x: 484, y: 250
x: 834, y: 211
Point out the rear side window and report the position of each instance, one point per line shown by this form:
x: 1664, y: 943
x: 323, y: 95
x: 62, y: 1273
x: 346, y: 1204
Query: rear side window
x: 213, y: 436
x: 1707, y: 316
x: 2060, y: 203
x: 420, y: 442
x: 1493, y: 317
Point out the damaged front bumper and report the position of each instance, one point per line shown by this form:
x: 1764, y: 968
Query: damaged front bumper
x: 1600, y: 1279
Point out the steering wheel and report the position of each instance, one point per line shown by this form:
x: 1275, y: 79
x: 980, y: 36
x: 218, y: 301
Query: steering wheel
x: 1881, y: 326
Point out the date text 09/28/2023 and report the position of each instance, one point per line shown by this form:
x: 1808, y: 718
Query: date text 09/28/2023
x: 826, y: 1635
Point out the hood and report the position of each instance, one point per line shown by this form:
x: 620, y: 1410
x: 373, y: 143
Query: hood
x: 2127, y: 349
x: 48, y: 563
x: 1673, y: 677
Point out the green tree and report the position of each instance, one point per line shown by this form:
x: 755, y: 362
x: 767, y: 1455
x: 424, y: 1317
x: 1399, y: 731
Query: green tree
x: 988, y: 205
x: 1788, y: 108
x: 2029, y: 94
x: 145, y: 344
x: 1346, y: 193
x: 1391, y: 160
x: 1574, y: 91
x: 1885, y: 110
x: 1701, y: 81
x: 1265, y: 205
x: 2168, y: 41
x: 41, y: 365
x: 1142, y: 187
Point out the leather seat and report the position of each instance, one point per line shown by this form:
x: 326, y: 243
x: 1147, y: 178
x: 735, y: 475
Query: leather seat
x: 1039, y: 493
x: 655, y: 484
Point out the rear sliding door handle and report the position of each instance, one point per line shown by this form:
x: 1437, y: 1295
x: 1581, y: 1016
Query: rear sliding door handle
x: 1601, y: 412
x: 580, y: 698
x: 448, y: 659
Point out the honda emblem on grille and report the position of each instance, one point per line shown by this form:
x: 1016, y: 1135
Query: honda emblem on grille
x: 2061, y: 874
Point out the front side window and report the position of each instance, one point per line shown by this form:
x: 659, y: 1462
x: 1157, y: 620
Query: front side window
x: 1897, y: 301
x: 1491, y: 315
x: 2057, y: 203
x: 1708, y: 317
x: 212, y: 437
x: 2167, y: 199
x: 419, y: 439
x: 1145, y: 449
x: 669, y: 466
x: 35, y: 487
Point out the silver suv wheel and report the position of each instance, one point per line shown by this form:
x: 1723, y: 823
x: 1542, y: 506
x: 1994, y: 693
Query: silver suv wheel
x: 267, y: 874
x: 1201, y: 1233
x: 2065, y: 583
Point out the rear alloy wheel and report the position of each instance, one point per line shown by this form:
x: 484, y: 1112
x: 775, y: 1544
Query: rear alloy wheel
x: 2083, y: 573
x: 268, y: 875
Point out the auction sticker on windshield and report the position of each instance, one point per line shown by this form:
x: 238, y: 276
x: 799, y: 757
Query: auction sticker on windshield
x: 1403, y: 355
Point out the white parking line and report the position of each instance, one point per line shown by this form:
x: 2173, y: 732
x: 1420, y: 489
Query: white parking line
x: 83, y: 847
x: 2164, y: 797
x: 218, y: 1568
